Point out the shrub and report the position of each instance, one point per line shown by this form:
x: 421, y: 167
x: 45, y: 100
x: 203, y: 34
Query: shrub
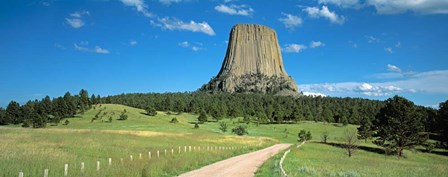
x: 26, y: 123
x: 240, y: 130
x: 223, y: 127
x: 66, y: 122
x: 151, y: 111
x: 304, y: 136
x: 196, y: 125
x: 123, y: 116
x: 174, y: 120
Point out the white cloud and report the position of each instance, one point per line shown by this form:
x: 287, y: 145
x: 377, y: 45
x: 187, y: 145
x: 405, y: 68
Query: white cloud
x: 169, y: 2
x: 315, y: 44
x: 79, y: 14
x: 184, y: 44
x: 314, y: 94
x: 342, y: 3
x: 97, y: 49
x: 430, y: 82
x: 393, y: 68
x: 290, y: 21
x: 74, y: 22
x: 132, y: 42
x: 175, y: 24
x: 371, y: 39
x: 395, y: 6
x: 233, y: 9
x: 139, y: 5
x: 389, y: 50
x: 315, y: 12
x: 398, y: 44
x: 75, y: 19
x: 294, y: 48
x: 195, y: 47
x: 401, y: 6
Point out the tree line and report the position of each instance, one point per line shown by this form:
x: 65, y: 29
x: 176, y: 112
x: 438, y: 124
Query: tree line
x: 37, y: 113
x: 257, y: 108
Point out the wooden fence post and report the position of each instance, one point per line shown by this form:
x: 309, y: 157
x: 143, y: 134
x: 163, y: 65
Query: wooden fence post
x: 140, y: 156
x: 20, y: 174
x: 165, y: 152
x: 46, y: 173
x: 98, y: 165
x: 179, y: 149
x: 65, y: 169
x: 82, y: 167
x: 185, y: 148
x: 121, y: 160
x: 172, y: 151
x: 131, y: 157
x: 149, y: 154
x: 110, y: 161
x: 158, y: 154
x: 189, y: 148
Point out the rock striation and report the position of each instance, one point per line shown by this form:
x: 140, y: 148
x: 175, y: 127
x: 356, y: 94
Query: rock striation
x: 253, y: 63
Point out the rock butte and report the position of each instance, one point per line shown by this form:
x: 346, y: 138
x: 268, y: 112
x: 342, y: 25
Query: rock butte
x: 253, y: 63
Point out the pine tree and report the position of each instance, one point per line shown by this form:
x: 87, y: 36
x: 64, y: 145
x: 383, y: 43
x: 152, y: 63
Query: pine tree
x: 202, y: 117
x: 365, y: 129
x: 14, y: 113
x: 399, y: 125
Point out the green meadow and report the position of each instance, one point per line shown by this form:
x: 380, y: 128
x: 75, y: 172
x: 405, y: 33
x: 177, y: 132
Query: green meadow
x: 86, y: 140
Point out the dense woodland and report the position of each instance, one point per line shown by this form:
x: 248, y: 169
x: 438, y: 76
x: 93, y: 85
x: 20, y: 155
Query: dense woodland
x: 256, y: 108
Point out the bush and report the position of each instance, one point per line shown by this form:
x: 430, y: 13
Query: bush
x: 196, y: 125
x: 325, y: 136
x: 151, y: 111
x: 304, y: 136
x: 223, y: 127
x: 26, y: 123
x: 66, y: 122
x: 174, y: 120
x: 240, y: 130
x: 123, y: 116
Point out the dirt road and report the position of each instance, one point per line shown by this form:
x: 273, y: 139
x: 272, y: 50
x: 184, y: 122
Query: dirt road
x: 242, y: 166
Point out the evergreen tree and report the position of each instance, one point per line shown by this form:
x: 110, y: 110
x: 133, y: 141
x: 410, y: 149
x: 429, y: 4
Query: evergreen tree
x: 202, y: 117
x: 365, y: 129
x: 443, y: 121
x: 327, y: 115
x: 69, y: 105
x: 14, y: 113
x: 84, y: 102
x: 399, y: 125
x: 4, y: 120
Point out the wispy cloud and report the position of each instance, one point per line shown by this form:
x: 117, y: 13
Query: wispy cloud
x: 133, y: 42
x: 139, y: 5
x: 169, y: 2
x: 393, y: 68
x: 316, y: 12
x: 194, y: 47
x: 291, y: 21
x: 389, y: 50
x: 96, y: 49
x: 294, y: 48
x: 430, y: 82
x: 387, y: 7
x: 315, y: 44
x: 401, y: 6
x: 343, y: 3
x: 75, y: 19
x: 176, y: 24
x: 372, y: 39
x: 233, y: 9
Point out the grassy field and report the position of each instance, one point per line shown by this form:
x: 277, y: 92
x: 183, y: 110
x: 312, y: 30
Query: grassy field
x: 84, y: 140
x: 33, y: 150
x: 317, y: 159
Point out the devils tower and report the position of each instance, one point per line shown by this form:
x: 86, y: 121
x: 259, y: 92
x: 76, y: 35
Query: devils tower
x: 253, y: 63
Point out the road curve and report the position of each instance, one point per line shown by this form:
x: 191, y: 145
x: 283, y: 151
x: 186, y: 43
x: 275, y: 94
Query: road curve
x: 242, y: 166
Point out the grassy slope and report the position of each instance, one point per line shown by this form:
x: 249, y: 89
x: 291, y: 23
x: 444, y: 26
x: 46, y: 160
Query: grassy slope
x: 317, y: 159
x: 83, y: 140
x: 33, y: 150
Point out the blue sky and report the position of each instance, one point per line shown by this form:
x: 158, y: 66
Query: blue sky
x: 357, y: 48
